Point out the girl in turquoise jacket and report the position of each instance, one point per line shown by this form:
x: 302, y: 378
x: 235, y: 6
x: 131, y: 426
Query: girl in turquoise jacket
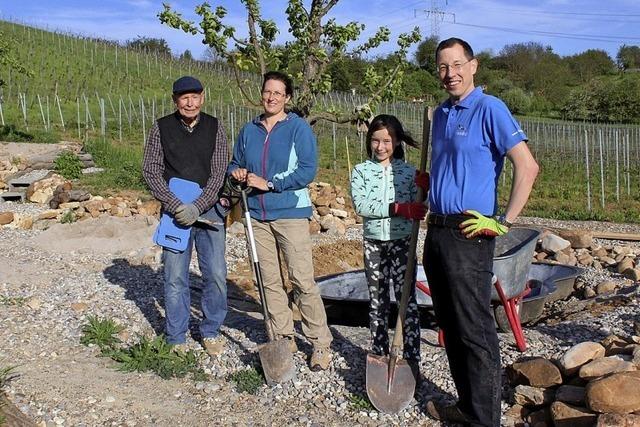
x: 383, y: 189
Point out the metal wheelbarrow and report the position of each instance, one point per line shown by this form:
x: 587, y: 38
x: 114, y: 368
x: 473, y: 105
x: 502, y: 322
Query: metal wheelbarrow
x: 511, y: 264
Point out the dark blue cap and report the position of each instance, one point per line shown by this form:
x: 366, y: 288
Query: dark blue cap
x: 186, y: 84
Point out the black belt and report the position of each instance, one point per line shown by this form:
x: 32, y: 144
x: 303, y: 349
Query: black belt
x: 450, y: 221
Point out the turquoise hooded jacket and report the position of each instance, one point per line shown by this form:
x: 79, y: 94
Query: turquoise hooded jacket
x: 373, y: 188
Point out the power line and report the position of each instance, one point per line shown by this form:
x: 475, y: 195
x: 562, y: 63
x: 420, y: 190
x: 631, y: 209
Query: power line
x: 588, y: 37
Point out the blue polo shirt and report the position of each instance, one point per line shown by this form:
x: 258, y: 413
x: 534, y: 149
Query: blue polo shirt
x: 470, y: 141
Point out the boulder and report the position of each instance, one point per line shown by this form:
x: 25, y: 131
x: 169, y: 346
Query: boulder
x: 580, y: 354
x: 618, y: 420
x: 552, y: 243
x: 625, y: 263
x: 578, y: 238
x: 632, y: 273
x: 564, y: 415
x: 538, y: 372
x: 606, y: 287
x: 585, y: 259
x: 150, y: 208
x: 6, y: 218
x: 339, y: 213
x: 571, y: 394
x: 599, y: 252
x: 22, y: 221
x: 617, y: 393
x: 605, y: 366
x: 532, y: 396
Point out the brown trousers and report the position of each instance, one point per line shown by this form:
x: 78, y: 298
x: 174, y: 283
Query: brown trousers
x: 291, y: 236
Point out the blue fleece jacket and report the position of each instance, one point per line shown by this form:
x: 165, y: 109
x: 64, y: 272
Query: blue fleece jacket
x: 287, y: 156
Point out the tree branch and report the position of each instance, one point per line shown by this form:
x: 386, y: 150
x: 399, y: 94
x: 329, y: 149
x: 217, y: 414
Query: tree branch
x: 253, y: 38
x: 241, y: 86
x: 331, y: 117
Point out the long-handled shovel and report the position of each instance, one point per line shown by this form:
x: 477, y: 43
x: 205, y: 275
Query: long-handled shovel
x: 275, y: 355
x: 390, y: 380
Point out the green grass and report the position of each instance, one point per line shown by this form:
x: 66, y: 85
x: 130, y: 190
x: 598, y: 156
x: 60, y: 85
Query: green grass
x: 100, y: 332
x: 248, y: 380
x: 6, y: 374
x: 16, y: 301
x: 148, y: 355
x: 12, y: 133
x: 359, y: 403
x: 68, y: 165
x: 156, y: 355
x: 68, y: 217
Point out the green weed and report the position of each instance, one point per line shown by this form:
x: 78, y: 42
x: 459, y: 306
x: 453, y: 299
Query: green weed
x: 68, y: 165
x: 13, y: 134
x: 359, y: 403
x: 17, y: 301
x: 7, y: 373
x: 68, y: 217
x: 156, y: 355
x: 100, y: 332
x: 247, y: 380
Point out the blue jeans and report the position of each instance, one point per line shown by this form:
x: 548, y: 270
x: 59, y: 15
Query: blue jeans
x: 459, y: 272
x: 210, y: 248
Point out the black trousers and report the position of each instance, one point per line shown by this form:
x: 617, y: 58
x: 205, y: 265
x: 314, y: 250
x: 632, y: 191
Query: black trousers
x: 459, y: 272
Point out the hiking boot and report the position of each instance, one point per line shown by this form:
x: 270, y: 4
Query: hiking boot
x: 320, y: 359
x: 181, y: 348
x: 214, y: 345
x: 449, y: 413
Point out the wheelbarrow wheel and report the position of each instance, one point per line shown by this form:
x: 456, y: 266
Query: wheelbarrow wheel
x: 500, y: 316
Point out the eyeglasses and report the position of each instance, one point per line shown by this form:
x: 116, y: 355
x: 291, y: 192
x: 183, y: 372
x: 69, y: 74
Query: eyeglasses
x: 443, y: 68
x: 269, y: 94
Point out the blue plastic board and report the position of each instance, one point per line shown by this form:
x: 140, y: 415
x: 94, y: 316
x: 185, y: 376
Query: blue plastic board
x: 169, y: 233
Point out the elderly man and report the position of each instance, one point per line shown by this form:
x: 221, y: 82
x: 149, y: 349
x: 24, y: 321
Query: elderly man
x: 191, y: 145
x: 472, y: 134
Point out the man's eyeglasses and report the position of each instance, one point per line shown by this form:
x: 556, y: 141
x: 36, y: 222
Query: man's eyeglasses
x: 269, y: 94
x: 443, y: 68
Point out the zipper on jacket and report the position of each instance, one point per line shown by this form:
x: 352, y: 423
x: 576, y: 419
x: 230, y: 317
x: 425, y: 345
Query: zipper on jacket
x: 265, y: 150
x: 385, y: 197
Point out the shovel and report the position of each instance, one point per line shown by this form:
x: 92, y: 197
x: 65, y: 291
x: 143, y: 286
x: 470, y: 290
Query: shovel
x: 275, y: 355
x: 390, y: 380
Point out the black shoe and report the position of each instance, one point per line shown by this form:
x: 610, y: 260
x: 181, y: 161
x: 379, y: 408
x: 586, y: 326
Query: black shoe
x: 450, y: 413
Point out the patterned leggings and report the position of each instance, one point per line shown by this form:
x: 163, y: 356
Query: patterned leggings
x: 385, y: 264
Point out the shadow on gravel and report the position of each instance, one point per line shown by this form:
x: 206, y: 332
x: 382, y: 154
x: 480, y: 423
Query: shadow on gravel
x: 355, y: 375
x: 145, y: 287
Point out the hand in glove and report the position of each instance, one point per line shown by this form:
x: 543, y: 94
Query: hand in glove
x: 480, y: 225
x: 411, y: 211
x: 187, y: 214
x: 422, y: 180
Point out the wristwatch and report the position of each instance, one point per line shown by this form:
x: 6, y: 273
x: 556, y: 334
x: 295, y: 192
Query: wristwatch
x: 503, y: 220
x: 270, y: 185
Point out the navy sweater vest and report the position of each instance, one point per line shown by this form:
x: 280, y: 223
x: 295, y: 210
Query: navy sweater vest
x: 187, y: 155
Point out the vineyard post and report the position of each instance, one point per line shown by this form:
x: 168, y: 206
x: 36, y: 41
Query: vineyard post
x: 617, y: 167
x: 60, y: 112
x: 601, y: 168
x: 586, y: 154
x: 78, y: 103
x: 1, y: 114
x: 333, y: 141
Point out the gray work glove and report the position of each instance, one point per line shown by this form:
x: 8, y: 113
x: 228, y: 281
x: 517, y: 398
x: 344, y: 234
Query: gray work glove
x: 187, y: 214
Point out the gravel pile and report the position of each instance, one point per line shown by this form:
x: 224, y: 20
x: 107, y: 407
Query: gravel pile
x: 46, y: 296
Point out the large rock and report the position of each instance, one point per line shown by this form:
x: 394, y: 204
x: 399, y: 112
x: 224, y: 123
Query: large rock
x: 579, y: 238
x: 617, y: 393
x: 618, y: 420
x: 606, y: 287
x: 552, y: 243
x: 532, y: 396
x: 580, y: 354
x: 22, y: 221
x: 41, y: 191
x: 632, y: 273
x: 6, y: 218
x: 149, y: 208
x: 605, y: 366
x: 571, y: 394
x: 564, y: 415
x: 538, y: 372
x: 624, y: 264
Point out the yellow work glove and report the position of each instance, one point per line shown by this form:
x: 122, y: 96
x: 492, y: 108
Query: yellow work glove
x: 480, y: 225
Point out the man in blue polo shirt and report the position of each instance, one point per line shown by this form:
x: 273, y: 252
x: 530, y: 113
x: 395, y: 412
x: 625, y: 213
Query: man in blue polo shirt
x: 472, y: 134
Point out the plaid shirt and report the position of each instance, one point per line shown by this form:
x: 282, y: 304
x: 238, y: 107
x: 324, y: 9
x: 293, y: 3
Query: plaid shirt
x: 153, y: 170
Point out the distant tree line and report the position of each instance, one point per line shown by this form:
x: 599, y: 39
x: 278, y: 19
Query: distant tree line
x: 531, y: 78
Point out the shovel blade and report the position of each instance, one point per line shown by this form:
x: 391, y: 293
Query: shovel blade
x: 277, y: 362
x: 389, y: 392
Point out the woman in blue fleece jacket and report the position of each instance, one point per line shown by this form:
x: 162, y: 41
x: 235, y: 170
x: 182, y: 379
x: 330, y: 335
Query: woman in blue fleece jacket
x: 275, y: 154
x: 383, y: 189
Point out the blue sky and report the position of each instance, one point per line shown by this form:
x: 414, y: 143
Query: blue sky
x: 486, y: 24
